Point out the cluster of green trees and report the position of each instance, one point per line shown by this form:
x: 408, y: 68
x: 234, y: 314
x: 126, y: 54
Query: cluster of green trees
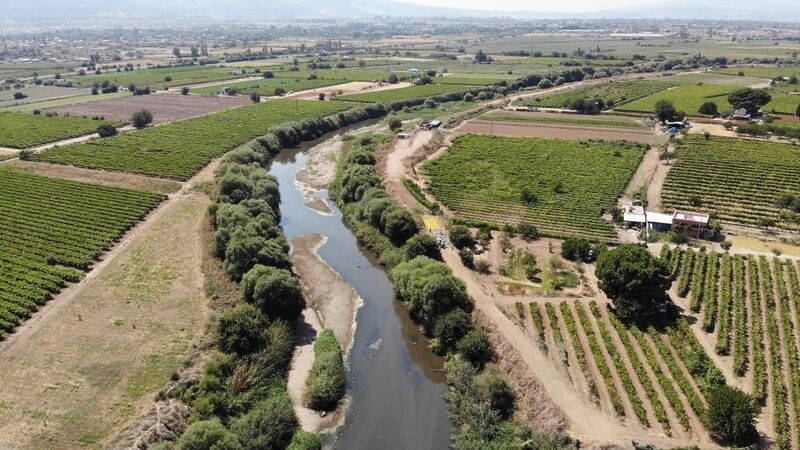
x: 241, y: 401
x: 326, y: 382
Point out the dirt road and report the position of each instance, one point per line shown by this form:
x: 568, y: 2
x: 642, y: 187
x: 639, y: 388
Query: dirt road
x: 392, y: 166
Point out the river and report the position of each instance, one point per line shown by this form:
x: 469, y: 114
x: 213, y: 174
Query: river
x: 395, y: 382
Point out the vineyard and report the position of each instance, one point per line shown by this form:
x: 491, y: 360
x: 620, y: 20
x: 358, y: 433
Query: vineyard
x: 28, y: 130
x: 406, y: 93
x: 739, y: 180
x: 749, y: 313
x: 566, y: 119
x: 613, y: 93
x: 656, y: 379
x: 157, y: 78
x: 178, y: 150
x: 51, y: 230
x: 268, y: 86
x: 685, y: 98
x: 483, y: 178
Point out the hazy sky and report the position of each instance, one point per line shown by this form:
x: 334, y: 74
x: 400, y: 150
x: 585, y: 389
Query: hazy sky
x: 536, y: 5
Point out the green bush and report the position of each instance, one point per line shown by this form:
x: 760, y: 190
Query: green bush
x: 326, y: 382
x: 450, y: 329
x: 303, y: 440
x: 208, y: 435
x: 239, y: 330
x: 495, y: 391
x: 276, y: 292
x: 575, y: 249
x: 422, y: 244
x: 461, y: 236
x: 731, y: 416
x: 270, y: 424
x: 475, y: 347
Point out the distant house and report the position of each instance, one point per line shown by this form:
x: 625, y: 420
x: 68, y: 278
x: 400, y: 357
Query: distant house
x: 741, y: 114
x: 237, y: 71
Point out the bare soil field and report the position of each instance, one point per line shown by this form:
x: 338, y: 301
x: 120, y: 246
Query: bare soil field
x: 119, y: 179
x: 352, y: 87
x: 90, y: 361
x: 165, y: 107
x: 512, y: 129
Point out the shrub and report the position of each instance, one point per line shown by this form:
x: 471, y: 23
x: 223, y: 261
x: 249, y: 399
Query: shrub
x: 545, y: 84
x: 398, y: 225
x: 575, y: 249
x: 267, y: 74
x: 276, y: 292
x: 255, y: 97
x: 395, y: 124
x: 19, y: 95
x: 665, y: 111
x: 731, y: 416
x: 461, y: 236
x: 141, y: 119
x: 303, y: 440
x: 468, y: 97
x: 106, y: 130
x: 208, y: 435
x: 185, y: 90
x: 239, y: 330
x: 270, y: 424
x: 709, y: 109
x: 326, y: 381
x: 495, y: 391
x: 476, y: 348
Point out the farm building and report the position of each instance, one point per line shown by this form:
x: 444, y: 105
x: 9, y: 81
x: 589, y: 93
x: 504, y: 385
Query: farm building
x: 636, y: 216
x: 740, y: 114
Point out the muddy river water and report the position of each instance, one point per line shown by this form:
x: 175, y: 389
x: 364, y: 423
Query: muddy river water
x: 395, y: 383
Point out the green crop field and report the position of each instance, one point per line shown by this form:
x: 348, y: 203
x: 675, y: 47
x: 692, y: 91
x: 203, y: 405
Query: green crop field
x: 685, y: 98
x: 267, y: 86
x: 762, y: 71
x: 406, y: 93
x: 36, y: 93
x: 19, y: 130
x: 178, y: 150
x: 613, y: 93
x: 343, y: 75
x: 50, y: 230
x: 567, y: 119
x: 482, y: 178
x: 156, y: 78
x: 466, y: 80
x: 737, y: 179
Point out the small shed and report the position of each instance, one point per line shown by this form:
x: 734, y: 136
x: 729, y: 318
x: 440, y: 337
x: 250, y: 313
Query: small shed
x: 693, y: 222
x: 659, y: 222
x: 741, y: 114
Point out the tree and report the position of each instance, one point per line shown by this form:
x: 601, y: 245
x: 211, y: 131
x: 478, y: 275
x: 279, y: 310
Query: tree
x: 141, y: 119
x: 480, y: 57
x: 255, y: 97
x: 177, y: 52
x: 545, y: 84
x: 270, y: 424
x: 750, y: 99
x: 731, y: 416
x: 634, y: 280
x: 476, y: 348
x: 450, y: 329
x: 398, y: 224
x: 321, y: 96
x: 392, y: 79
x: 276, y: 292
x: 19, y: 95
x: 527, y: 230
x: 326, y: 382
x: 239, y: 330
x: 575, y: 249
x: 665, y: 111
x: 709, y: 109
x: 185, y: 90
x: 208, y: 435
x: 106, y: 130
x: 395, y: 123
x: 422, y: 244
x: 461, y: 237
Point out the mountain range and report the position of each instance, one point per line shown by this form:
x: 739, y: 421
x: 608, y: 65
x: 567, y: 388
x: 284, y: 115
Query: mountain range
x: 29, y: 10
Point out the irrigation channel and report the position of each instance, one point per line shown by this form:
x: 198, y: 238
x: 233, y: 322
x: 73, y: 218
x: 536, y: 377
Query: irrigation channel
x: 395, y: 383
